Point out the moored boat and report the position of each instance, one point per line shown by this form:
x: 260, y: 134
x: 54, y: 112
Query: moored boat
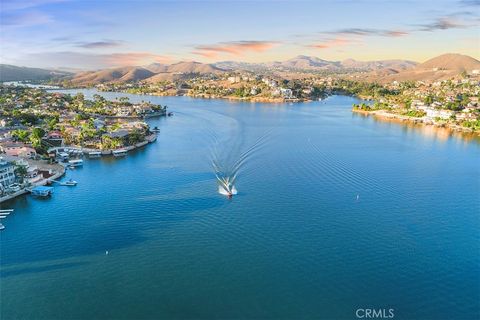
x: 94, y: 154
x: 75, y: 163
x: 69, y: 183
x: 119, y: 153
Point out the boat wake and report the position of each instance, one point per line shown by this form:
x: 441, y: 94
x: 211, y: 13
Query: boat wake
x: 228, y: 163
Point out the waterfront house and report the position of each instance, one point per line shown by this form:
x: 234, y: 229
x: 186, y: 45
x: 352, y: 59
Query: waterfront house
x: 7, y: 174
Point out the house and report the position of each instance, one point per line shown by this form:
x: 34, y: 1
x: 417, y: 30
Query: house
x: 98, y: 123
x: 18, y: 150
x: 121, y: 133
x: 234, y: 79
x: 124, y: 111
x: 286, y: 93
x: 7, y: 174
x: 53, y: 139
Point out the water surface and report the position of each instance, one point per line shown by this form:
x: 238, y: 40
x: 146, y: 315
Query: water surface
x: 335, y: 212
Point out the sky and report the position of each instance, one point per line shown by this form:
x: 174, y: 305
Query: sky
x: 96, y: 34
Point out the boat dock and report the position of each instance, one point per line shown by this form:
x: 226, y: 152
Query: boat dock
x: 3, y: 214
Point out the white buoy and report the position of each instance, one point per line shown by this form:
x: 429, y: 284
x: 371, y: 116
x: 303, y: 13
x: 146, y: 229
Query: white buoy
x: 106, y: 252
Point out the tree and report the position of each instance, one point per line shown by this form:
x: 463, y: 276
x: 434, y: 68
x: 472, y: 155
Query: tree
x: 36, y: 137
x: 21, y: 135
x: 21, y: 172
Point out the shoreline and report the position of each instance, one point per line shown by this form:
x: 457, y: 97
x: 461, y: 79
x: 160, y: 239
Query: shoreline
x: 60, y: 169
x: 59, y: 172
x: 387, y: 116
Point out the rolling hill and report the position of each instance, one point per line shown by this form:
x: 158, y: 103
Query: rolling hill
x: 442, y: 67
x: 153, y: 72
x: 14, y: 73
x: 124, y: 74
x: 445, y: 66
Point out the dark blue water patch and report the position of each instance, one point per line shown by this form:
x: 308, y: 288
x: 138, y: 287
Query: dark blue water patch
x: 35, y: 270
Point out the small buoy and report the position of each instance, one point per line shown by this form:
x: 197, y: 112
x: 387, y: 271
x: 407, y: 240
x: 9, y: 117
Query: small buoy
x: 358, y: 197
x: 106, y: 252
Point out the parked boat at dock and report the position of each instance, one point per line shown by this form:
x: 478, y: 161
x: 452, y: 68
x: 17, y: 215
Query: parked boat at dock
x: 69, y: 183
x: 119, y: 153
x: 75, y: 163
x: 94, y: 154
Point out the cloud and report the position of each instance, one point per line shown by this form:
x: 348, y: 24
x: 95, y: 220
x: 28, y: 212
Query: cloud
x: 367, y: 32
x: 133, y: 58
x: 337, y: 42
x: 91, y: 60
x: 470, y: 2
x: 100, y: 44
x: 443, y: 23
x: 237, y: 48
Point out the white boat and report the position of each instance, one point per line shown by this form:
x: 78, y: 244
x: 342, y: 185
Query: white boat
x: 14, y: 187
x: 119, y: 153
x: 95, y: 154
x: 227, y: 191
x: 2, y: 211
x: 62, y: 156
x: 75, y: 163
x: 69, y: 183
x: 2, y: 226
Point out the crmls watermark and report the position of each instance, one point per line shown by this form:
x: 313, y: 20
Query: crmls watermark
x: 373, y: 313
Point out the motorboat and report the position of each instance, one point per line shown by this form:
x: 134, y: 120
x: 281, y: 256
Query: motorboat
x: 75, y: 163
x: 94, y: 154
x: 15, y: 187
x: 119, y: 153
x: 69, y: 183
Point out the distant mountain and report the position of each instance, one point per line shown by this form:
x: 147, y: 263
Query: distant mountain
x: 14, y: 73
x: 393, y: 65
x: 441, y: 67
x: 451, y: 61
x: 306, y: 63
x: 152, y: 73
x: 157, y: 67
x: 193, y: 67
x: 313, y: 64
x: 123, y: 74
x: 445, y: 66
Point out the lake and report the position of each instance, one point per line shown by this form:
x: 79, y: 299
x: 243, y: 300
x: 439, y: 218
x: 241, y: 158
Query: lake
x: 335, y: 212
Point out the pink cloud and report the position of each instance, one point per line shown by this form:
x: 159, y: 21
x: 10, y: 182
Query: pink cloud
x: 396, y: 33
x: 337, y: 42
x: 237, y: 48
x: 133, y: 58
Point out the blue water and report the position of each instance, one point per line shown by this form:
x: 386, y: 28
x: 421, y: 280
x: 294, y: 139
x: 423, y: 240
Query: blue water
x: 294, y: 243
